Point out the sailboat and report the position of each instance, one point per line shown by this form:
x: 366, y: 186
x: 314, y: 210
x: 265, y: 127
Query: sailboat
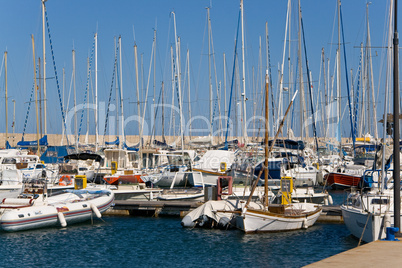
x: 285, y: 216
x: 372, y: 213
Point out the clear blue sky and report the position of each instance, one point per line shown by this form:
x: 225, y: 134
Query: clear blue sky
x: 73, y: 24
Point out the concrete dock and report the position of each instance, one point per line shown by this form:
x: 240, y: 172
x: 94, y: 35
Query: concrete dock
x: 330, y: 214
x: 374, y: 254
x: 153, y: 208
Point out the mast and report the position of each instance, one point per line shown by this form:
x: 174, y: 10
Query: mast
x: 178, y: 81
x: 303, y: 112
x: 117, y: 91
x: 121, y: 96
x: 36, y: 95
x: 224, y: 82
x: 338, y: 76
x: 189, y: 97
x: 13, y: 125
x: 138, y: 102
x: 6, y: 97
x: 371, y: 76
x: 154, y: 84
x: 283, y: 60
x: 266, y: 139
x: 87, y: 133
x: 243, y: 79
x: 44, y: 65
x: 62, y: 125
x: 209, y: 73
x: 40, y: 100
x: 96, y: 92
x: 75, y: 103
x: 396, y: 174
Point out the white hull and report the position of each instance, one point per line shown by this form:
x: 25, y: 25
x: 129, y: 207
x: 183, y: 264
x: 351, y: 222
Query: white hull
x: 369, y: 225
x: 72, y: 211
x: 264, y: 221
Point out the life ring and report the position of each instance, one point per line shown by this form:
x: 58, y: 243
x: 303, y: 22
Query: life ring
x: 65, y: 180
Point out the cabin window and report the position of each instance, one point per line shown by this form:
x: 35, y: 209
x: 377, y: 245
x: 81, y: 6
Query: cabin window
x: 20, y: 215
x: 84, y: 205
x: 379, y: 201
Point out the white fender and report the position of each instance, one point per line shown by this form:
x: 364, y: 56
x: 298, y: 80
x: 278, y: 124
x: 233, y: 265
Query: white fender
x: 62, y: 219
x: 96, y: 210
x: 305, y: 225
x: 330, y: 200
x: 387, y: 220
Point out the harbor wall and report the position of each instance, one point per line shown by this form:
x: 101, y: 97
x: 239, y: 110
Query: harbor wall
x: 58, y: 139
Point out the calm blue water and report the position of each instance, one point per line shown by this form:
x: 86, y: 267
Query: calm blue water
x: 162, y: 242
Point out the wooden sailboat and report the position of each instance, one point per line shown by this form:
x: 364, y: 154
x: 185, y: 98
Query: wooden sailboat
x: 282, y: 217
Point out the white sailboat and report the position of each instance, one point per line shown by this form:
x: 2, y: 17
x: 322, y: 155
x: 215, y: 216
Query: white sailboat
x: 285, y: 216
x: 369, y: 213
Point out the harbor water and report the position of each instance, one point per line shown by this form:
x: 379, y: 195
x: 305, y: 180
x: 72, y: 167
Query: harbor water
x: 162, y: 242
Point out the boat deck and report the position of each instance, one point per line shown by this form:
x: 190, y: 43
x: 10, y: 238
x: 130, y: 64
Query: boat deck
x: 374, y: 254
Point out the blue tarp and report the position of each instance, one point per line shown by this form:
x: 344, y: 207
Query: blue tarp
x: 134, y: 148
x: 56, y: 154
x: 8, y: 146
x: 42, y: 142
x: 116, y: 142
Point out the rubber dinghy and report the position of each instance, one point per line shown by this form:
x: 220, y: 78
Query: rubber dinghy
x: 70, y: 207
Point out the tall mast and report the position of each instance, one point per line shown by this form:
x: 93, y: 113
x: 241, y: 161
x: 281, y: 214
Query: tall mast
x: 338, y: 75
x: 44, y: 65
x: 209, y: 73
x: 397, y: 174
x: 189, y: 97
x: 6, y: 97
x: 154, y: 84
x: 75, y: 103
x: 40, y: 99
x: 138, y: 102
x: 96, y: 92
x: 87, y: 133
x: 243, y: 79
x: 117, y: 91
x: 13, y: 125
x: 224, y: 82
x: 283, y: 60
x: 121, y: 95
x: 177, y: 40
x: 371, y: 77
x: 36, y: 95
x: 303, y: 112
x: 266, y: 139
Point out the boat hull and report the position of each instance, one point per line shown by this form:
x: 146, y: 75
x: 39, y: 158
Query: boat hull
x: 265, y: 221
x: 342, y: 181
x: 48, y: 215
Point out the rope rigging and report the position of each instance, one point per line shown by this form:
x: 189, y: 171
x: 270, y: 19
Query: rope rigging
x: 86, y: 90
x: 57, y: 80
x: 29, y: 107
x: 110, y: 94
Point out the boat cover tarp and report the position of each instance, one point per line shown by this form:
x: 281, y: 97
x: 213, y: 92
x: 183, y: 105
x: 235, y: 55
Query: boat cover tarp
x: 116, y: 142
x: 56, y: 154
x: 131, y: 148
x: 198, y: 216
x: 83, y: 156
x: 160, y: 144
x: 42, y: 142
x: 8, y: 146
x: 369, y: 147
x: 288, y: 144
